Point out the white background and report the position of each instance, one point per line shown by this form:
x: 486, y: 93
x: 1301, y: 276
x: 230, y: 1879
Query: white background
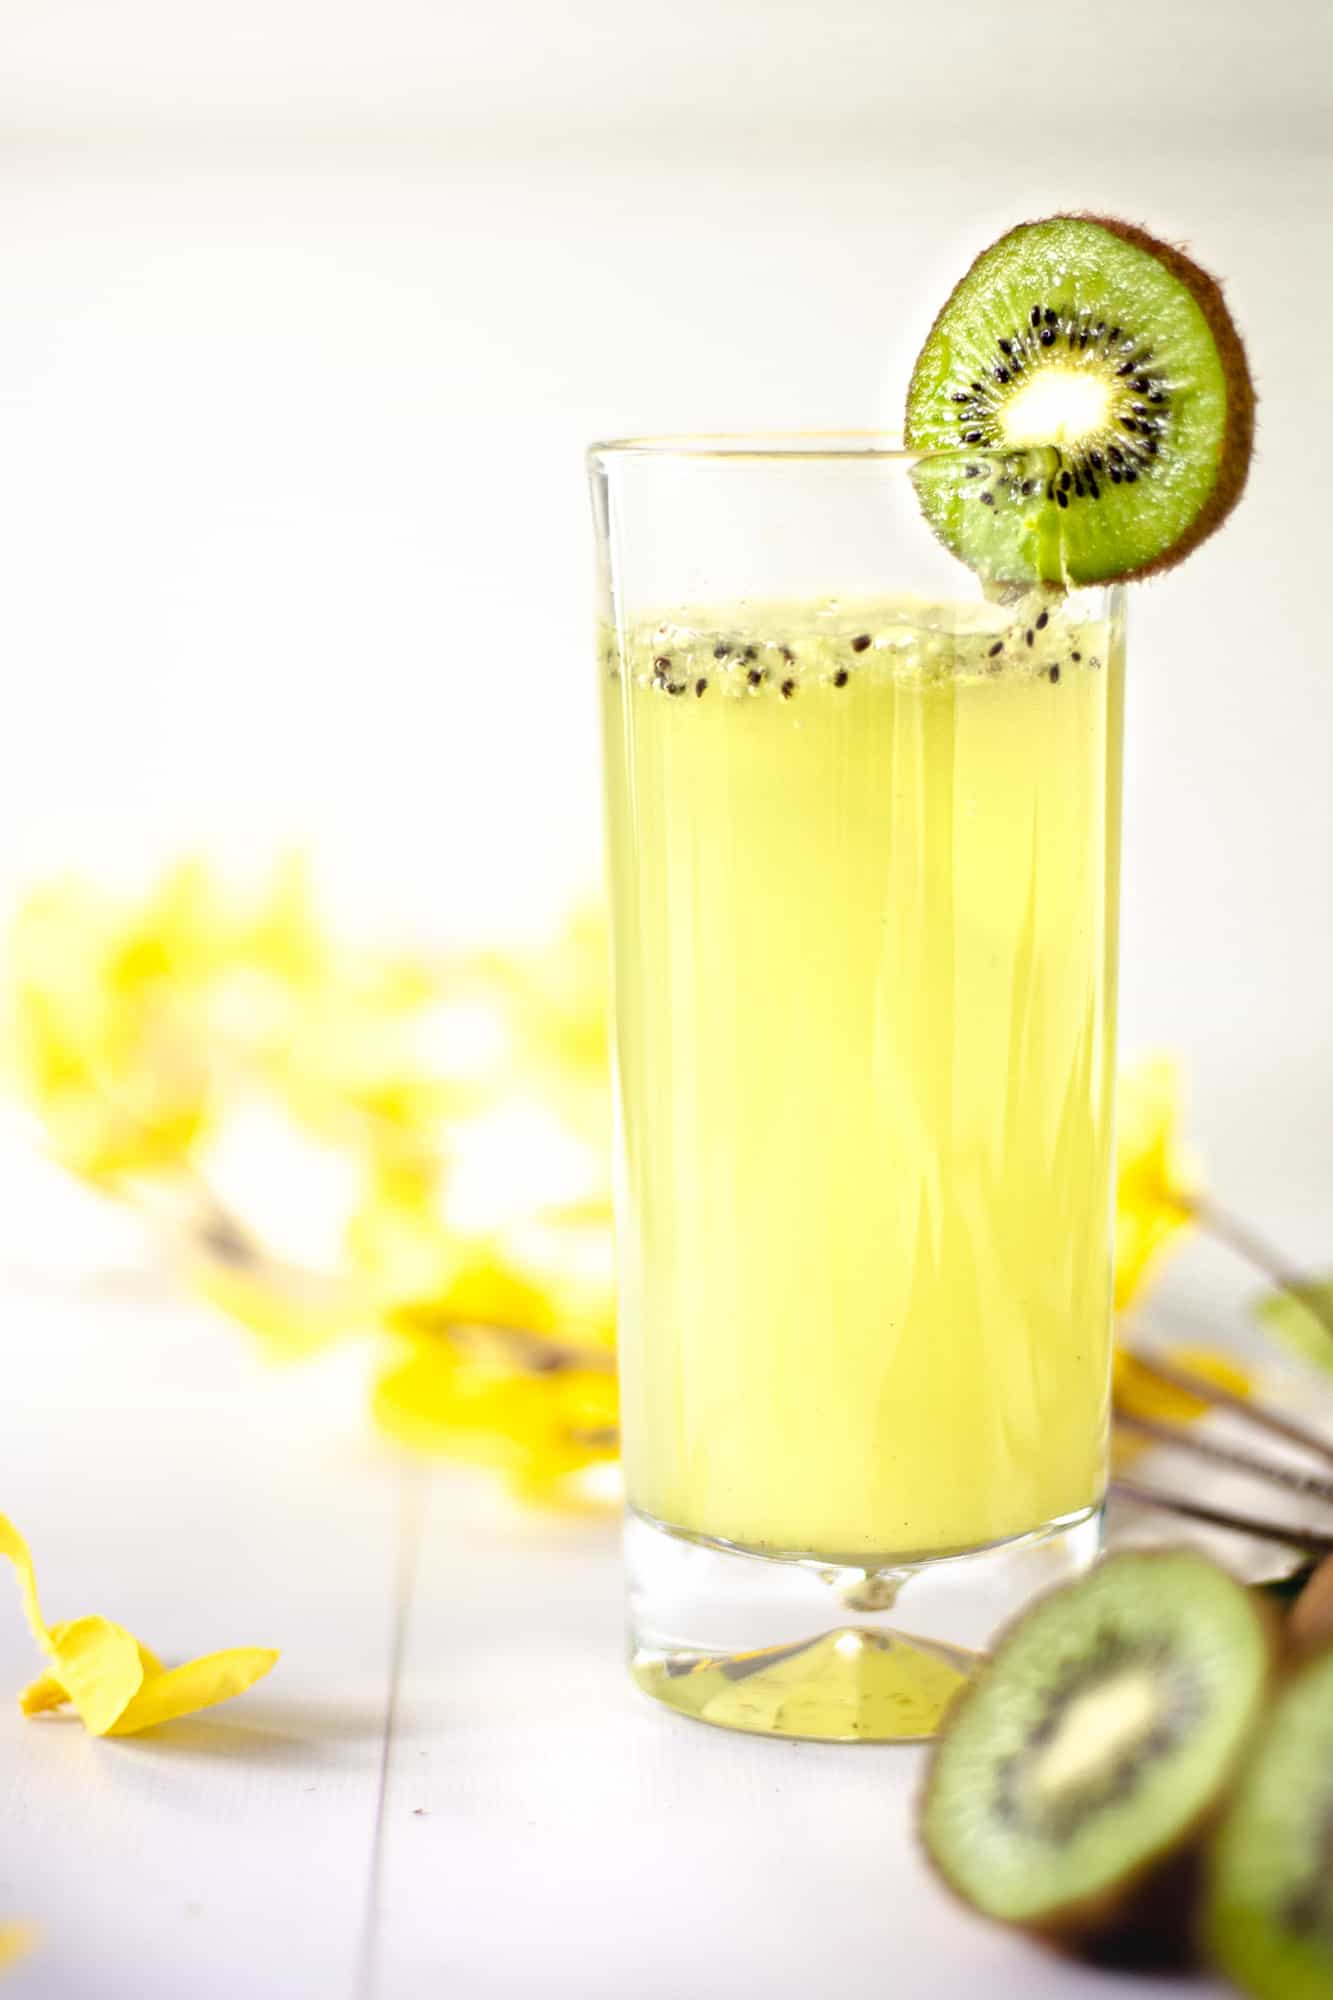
x: 306, y: 313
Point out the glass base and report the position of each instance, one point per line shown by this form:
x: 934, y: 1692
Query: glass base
x: 764, y: 1643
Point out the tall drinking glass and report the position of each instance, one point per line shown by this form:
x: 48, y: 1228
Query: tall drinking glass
x: 863, y: 838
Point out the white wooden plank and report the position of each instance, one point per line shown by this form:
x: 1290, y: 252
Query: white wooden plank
x: 168, y: 1480
x: 548, y: 1830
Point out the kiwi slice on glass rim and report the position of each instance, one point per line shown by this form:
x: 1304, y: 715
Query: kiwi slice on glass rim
x: 1269, y: 1918
x: 1091, y: 395
x: 1080, y: 1769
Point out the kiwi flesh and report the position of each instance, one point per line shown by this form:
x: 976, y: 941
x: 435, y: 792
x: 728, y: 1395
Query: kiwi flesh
x: 1090, y: 403
x: 1080, y: 1769
x: 1268, y: 1921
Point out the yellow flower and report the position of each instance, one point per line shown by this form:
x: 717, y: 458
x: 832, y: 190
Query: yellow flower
x: 126, y: 1024
x: 114, y: 1683
x: 509, y: 1357
x: 466, y: 1099
x: 100, y: 1033
x: 16, y: 1940
x: 396, y: 1241
x: 1138, y: 1391
x: 540, y: 1422
x: 284, y: 937
x: 1156, y: 1181
x: 295, y: 1312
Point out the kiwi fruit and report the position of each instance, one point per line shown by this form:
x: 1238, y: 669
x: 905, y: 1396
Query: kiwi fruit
x: 1080, y: 1769
x: 1090, y: 403
x: 1268, y: 1922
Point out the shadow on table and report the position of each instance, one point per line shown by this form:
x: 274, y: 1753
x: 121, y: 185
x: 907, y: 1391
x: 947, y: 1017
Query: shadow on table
x: 272, y: 1733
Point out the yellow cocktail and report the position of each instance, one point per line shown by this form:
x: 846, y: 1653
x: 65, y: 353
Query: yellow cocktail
x: 864, y: 865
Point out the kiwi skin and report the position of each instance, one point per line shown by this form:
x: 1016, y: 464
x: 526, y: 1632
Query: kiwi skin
x: 1233, y: 463
x: 1148, y: 1920
x: 1295, y: 1668
x: 1310, y: 1621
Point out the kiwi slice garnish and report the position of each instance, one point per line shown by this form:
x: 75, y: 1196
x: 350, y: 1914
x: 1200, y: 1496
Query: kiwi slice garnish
x: 1269, y: 1915
x: 1080, y: 1768
x: 1090, y: 392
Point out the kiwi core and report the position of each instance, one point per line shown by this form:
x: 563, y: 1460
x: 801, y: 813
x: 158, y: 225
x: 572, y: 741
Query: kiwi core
x: 1057, y: 406
x: 1101, y: 1728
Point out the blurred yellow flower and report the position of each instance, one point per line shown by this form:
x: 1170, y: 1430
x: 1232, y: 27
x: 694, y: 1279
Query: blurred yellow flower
x: 1157, y: 1182
x: 129, y: 1026
x: 16, y: 1940
x: 1141, y: 1392
x: 212, y: 1059
x: 294, y: 1312
x: 344, y: 1141
x: 100, y: 1029
x: 507, y: 1357
x: 113, y: 1682
x: 539, y: 1413
x: 1157, y: 1185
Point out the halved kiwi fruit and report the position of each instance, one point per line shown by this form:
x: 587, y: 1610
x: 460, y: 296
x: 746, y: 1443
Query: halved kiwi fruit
x: 1090, y: 392
x: 1081, y: 1766
x: 1269, y: 1917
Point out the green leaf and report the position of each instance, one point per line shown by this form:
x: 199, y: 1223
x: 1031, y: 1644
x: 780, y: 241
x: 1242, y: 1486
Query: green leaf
x: 1294, y: 1318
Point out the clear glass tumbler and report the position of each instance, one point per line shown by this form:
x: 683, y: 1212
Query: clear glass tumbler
x: 863, y: 842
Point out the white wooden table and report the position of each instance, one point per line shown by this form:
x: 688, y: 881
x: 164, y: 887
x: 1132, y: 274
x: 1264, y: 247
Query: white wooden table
x: 448, y: 1785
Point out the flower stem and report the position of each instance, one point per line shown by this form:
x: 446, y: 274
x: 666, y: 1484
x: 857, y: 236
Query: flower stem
x: 1242, y: 1407
x: 1226, y: 1228
x: 1312, y: 1540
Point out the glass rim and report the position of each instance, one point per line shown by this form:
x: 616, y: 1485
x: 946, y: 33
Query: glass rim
x: 843, y: 445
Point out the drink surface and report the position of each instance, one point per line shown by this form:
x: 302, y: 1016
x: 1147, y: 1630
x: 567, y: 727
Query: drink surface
x: 863, y: 865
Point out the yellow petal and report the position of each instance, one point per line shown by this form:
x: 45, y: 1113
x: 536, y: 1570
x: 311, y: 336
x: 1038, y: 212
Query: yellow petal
x: 104, y: 1028
x: 118, y: 1685
x: 539, y: 1429
x: 295, y: 1312
x: 490, y: 1290
x: 13, y: 1545
x: 43, y: 1694
x: 561, y: 1480
x: 1141, y: 1393
x: 396, y: 1240
x: 440, y: 1400
x: 1142, y: 1233
x: 201, y: 1684
x: 1156, y: 1181
x: 100, y: 1668
x: 15, y: 1941
x: 572, y: 1267
x: 477, y: 1284
x: 181, y: 932
x: 285, y: 937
